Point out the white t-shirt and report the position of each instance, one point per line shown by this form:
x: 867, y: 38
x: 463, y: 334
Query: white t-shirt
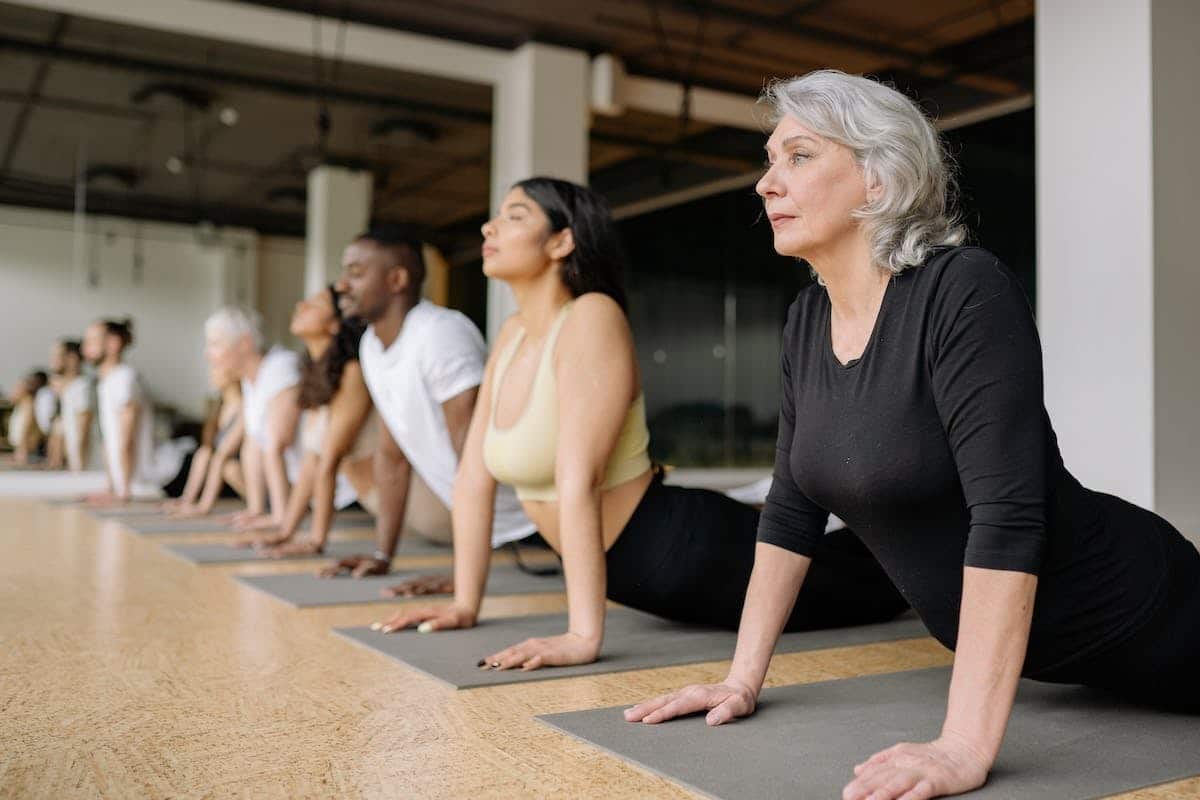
x: 76, y: 399
x: 278, y: 370
x: 45, y: 408
x: 439, y: 354
x: 120, y: 387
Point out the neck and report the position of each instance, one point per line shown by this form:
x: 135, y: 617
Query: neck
x: 388, y: 326
x: 854, y: 283
x: 539, y: 301
x: 316, y: 345
x: 252, y: 365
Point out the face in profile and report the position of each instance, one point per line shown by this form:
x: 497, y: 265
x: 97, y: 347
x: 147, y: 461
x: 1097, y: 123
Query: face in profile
x: 810, y: 190
x: 371, y: 278
x: 220, y: 378
x: 94, y: 340
x: 225, y: 353
x: 58, y: 355
x: 315, y: 316
x: 516, y: 242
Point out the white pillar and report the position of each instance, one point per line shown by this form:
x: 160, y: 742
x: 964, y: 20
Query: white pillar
x: 540, y: 123
x: 1118, y: 187
x: 339, y: 208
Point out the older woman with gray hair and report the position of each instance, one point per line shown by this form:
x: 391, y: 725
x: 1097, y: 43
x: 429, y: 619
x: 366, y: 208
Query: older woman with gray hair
x: 234, y: 343
x: 913, y: 409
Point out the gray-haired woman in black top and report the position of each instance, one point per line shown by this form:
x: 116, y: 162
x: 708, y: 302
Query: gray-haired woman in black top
x: 912, y: 408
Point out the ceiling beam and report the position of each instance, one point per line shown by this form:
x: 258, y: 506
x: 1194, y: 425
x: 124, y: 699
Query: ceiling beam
x: 31, y: 94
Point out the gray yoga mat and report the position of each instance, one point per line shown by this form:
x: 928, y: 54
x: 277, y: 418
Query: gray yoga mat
x: 156, y: 525
x: 305, y: 590
x: 1063, y: 742
x: 227, y: 554
x: 632, y: 640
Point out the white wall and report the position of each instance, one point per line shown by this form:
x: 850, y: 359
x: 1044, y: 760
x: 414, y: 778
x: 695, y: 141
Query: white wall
x: 1095, y: 237
x: 45, y: 297
x: 280, y: 285
x: 1175, y: 27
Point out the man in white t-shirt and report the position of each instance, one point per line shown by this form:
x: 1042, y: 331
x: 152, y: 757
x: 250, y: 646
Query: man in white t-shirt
x: 133, y: 463
x: 423, y: 365
x: 234, y: 342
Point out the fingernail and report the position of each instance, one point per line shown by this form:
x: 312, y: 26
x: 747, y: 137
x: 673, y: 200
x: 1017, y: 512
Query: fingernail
x: 425, y: 627
x: 386, y: 629
x: 376, y: 626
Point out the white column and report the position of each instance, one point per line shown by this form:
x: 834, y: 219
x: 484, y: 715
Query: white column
x: 1118, y: 186
x: 540, y: 123
x: 339, y: 208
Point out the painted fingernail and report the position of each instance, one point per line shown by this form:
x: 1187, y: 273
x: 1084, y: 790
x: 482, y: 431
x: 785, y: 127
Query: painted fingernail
x: 425, y: 627
x: 495, y: 665
x: 376, y: 626
x: 387, y: 629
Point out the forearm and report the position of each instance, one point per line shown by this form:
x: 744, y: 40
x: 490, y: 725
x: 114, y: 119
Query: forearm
x: 770, y: 597
x: 253, y: 474
x: 277, y: 481
x: 391, y: 476
x: 993, y: 633
x: 197, y: 473
x: 583, y: 562
x: 471, y: 519
x: 324, y: 492
x: 127, y: 459
x: 213, y: 480
x: 298, y: 499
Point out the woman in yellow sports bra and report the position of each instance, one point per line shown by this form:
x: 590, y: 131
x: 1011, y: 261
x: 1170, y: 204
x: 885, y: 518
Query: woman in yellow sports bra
x: 561, y: 417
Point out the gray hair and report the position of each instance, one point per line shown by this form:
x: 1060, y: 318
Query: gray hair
x: 895, y: 145
x: 234, y: 322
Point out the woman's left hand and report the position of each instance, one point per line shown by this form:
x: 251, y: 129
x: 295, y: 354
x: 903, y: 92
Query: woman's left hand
x: 907, y: 771
x: 554, y: 651
x: 260, y: 522
x: 304, y: 547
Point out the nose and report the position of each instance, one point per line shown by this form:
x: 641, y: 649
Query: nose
x: 767, y: 185
x: 488, y: 228
x: 341, y: 285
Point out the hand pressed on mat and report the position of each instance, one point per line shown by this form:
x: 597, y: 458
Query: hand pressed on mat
x: 429, y: 618
x: 356, y: 567
x: 908, y: 771
x: 421, y: 585
x: 563, y: 650
x: 285, y: 548
x: 261, y: 540
x: 723, y: 702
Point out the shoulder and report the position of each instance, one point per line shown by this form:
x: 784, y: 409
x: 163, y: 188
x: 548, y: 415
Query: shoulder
x: 804, y: 309
x: 509, y: 330
x: 447, y: 325
x: 970, y: 280
x: 592, y: 315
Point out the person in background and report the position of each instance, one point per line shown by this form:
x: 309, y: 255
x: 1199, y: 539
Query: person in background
x: 132, y: 461
x: 339, y: 431
x: 215, y: 463
x: 71, y: 432
x: 234, y: 343
x: 422, y: 365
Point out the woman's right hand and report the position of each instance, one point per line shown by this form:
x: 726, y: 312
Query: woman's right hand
x: 723, y: 702
x: 429, y: 618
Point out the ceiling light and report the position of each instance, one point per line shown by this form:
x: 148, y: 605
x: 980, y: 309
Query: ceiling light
x: 228, y: 116
x: 175, y: 165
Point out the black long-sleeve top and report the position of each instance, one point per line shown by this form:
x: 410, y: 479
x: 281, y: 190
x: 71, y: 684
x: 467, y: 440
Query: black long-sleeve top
x: 935, y: 448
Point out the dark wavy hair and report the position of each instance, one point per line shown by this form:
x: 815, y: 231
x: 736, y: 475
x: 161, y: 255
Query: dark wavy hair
x: 320, y: 379
x: 122, y: 328
x: 598, y: 262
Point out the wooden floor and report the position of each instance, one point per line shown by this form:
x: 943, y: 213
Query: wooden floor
x: 125, y: 672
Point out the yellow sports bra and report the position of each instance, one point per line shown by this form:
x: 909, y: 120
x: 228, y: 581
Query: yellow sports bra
x: 523, y: 454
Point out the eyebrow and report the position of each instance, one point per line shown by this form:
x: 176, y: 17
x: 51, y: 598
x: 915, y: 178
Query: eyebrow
x: 519, y: 205
x: 791, y: 140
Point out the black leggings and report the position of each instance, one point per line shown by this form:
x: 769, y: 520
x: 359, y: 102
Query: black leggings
x: 686, y: 555
x: 1160, y: 664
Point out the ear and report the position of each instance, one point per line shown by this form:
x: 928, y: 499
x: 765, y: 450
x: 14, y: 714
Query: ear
x: 561, y: 244
x: 874, y: 188
x: 397, y: 280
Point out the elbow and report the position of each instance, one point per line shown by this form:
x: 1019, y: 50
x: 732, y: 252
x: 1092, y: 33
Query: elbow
x: 578, y: 487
